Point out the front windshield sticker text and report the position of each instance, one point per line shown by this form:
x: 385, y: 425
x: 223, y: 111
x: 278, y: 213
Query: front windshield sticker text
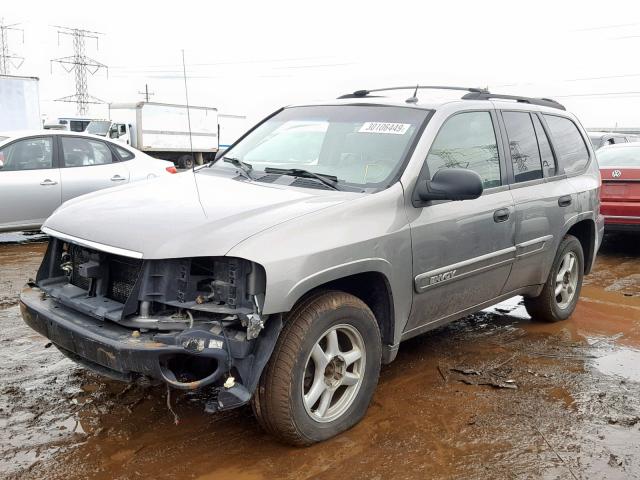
x: 384, y: 127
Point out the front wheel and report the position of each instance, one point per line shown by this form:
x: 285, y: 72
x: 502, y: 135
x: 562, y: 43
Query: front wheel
x: 560, y: 293
x: 323, y: 372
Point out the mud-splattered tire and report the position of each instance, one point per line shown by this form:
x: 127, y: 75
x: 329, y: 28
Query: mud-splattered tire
x: 560, y: 293
x: 341, y: 369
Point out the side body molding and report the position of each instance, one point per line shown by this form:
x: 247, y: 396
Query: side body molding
x: 464, y: 269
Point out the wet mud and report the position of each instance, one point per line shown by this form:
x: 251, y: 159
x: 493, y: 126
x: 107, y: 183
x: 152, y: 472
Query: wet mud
x: 494, y: 395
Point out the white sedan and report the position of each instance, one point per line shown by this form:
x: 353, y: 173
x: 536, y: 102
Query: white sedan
x: 40, y: 170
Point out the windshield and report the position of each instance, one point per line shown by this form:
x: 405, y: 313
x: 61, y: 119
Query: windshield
x: 619, y: 157
x: 99, y: 128
x: 363, y: 146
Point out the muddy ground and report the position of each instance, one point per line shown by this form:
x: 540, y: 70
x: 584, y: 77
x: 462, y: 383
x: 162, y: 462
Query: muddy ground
x: 492, y: 396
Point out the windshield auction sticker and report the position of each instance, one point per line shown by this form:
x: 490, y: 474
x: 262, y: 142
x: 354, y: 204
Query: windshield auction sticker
x: 384, y: 127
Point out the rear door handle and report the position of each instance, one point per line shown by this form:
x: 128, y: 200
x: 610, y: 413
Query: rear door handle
x: 47, y: 182
x: 564, y: 201
x: 501, y: 215
x: 117, y: 178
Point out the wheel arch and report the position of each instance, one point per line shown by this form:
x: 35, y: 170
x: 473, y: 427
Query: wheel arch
x: 585, y: 231
x: 366, y: 279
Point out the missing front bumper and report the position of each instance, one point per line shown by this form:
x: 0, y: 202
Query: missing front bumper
x: 119, y: 352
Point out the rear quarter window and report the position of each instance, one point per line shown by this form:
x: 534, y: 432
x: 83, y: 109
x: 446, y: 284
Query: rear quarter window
x: 123, y: 153
x: 571, y: 149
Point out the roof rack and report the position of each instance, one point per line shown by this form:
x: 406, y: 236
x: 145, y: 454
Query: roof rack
x: 365, y: 93
x: 473, y: 94
x: 545, y: 102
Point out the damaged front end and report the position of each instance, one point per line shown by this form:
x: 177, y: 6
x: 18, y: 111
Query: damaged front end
x: 190, y: 322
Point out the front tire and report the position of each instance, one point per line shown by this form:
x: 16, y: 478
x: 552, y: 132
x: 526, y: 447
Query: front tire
x: 560, y: 293
x: 323, y: 371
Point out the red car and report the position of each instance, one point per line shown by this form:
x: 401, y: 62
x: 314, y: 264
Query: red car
x: 620, y: 193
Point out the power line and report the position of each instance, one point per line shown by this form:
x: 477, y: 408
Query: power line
x: 7, y: 59
x: 607, y: 77
x: 230, y: 62
x: 606, y: 27
x: 600, y: 94
x: 81, y: 65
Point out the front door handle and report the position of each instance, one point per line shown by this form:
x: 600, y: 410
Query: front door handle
x: 501, y: 215
x: 117, y: 178
x: 47, y: 182
x: 564, y: 201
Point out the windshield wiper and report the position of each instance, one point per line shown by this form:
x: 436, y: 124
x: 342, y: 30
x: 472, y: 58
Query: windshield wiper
x: 329, y: 180
x: 243, y: 167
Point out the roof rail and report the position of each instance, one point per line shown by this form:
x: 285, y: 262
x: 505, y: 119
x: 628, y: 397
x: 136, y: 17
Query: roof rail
x: 473, y: 94
x: 545, y: 102
x: 364, y: 93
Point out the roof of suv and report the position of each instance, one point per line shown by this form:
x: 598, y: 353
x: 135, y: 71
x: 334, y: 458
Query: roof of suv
x: 473, y: 96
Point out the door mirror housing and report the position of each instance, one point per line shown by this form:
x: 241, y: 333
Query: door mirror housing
x: 451, y: 184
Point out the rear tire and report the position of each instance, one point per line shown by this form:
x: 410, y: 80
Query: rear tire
x: 185, y: 161
x: 323, y: 371
x: 561, y: 292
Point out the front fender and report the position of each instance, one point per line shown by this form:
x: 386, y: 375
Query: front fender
x: 365, y: 265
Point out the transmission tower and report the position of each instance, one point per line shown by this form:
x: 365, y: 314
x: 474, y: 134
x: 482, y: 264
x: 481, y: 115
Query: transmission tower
x: 81, y: 65
x: 7, y: 60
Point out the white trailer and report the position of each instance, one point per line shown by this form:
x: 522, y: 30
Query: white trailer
x: 163, y: 130
x: 19, y: 103
x: 232, y: 127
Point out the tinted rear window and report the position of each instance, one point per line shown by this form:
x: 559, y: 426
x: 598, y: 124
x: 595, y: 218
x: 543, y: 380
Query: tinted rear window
x: 523, y: 145
x: 572, y: 152
x: 548, y: 161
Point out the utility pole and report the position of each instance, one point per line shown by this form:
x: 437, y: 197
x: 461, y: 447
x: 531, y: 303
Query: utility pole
x: 81, y: 65
x: 8, y: 60
x: 146, y: 93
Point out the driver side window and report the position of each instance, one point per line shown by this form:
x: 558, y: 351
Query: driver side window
x: 467, y: 140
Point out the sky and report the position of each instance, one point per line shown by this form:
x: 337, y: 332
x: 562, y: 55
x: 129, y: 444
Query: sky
x: 252, y: 57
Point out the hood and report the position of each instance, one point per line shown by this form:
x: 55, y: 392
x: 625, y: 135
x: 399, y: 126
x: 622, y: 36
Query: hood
x: 164, y: 218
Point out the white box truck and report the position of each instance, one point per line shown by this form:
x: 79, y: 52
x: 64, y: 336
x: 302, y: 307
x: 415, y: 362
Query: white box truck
x: 162, y: 130
x: 19, y: 103
x: 232, y: 127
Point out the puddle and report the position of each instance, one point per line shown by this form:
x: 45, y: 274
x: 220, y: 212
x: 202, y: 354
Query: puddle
x: 22, y: 237
x: 622, y: 363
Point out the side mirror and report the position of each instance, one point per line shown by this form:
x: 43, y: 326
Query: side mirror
x: 451, y: 184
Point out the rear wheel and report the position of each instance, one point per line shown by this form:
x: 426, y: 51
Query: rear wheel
x: 560, y: 293
x: 185, y: 161
x: 323, y: 372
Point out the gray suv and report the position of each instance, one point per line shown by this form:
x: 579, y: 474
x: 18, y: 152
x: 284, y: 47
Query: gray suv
x: 287, y: 271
